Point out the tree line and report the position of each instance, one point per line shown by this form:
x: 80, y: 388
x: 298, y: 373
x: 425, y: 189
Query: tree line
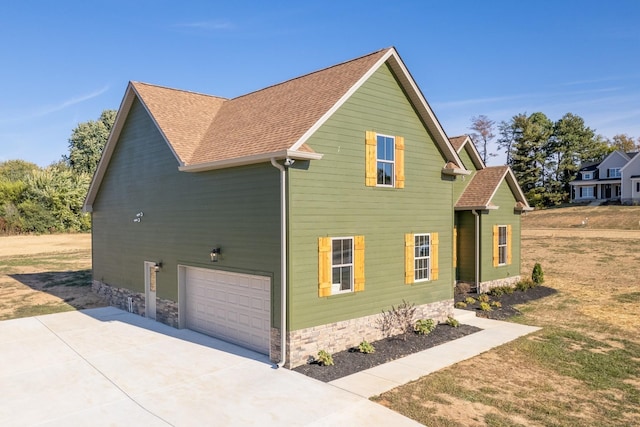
x: 47, y: 200
x: 545, y: 155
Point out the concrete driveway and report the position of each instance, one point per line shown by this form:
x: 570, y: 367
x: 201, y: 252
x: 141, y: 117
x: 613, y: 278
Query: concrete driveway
x: 107, y: 367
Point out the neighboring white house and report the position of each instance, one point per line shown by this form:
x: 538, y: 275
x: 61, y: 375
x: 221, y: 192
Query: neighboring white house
x: 617, y: 177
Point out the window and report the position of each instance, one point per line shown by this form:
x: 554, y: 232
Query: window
x: 501, y: 245
x: 587, y: 192
x: 385, y: 160
x: 421, y: 257
x: 614, y: 172
x: 587, y: 175
x: 637, y: 187
x: 340, y: 265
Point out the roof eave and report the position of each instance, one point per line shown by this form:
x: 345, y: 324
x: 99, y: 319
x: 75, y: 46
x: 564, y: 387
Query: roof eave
x: 477, y: 208
x: 455, y: 171
x: 250, y: 160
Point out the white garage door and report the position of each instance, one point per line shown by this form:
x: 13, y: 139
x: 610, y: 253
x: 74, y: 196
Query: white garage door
x: 230, y: 306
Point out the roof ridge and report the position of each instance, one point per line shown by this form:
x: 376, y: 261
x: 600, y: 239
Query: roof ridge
x: 311, y: 73
x: 191, y: 92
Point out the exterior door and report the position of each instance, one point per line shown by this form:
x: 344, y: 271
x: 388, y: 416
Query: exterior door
x: 150, y: 289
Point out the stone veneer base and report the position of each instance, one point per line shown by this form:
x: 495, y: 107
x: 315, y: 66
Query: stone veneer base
x: 484, y: 287
x: 304, y: 344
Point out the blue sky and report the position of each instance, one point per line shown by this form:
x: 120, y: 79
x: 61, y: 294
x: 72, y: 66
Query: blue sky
x: 64, y: 62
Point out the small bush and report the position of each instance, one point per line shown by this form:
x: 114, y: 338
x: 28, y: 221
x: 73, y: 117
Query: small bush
x: 462, y: 288
x: 366, y: 347
x: 461, y: 304
x: 470, y: 300
x: 424, y: 326
x: 501, y: 290
x: 484, y: 306
x: 325, y: 358
x: 525, y: 284
x: 496, y: 304
x: 537, y: 276
x: 397, y: 319
x: 452, y: 322
x: 483, y: 298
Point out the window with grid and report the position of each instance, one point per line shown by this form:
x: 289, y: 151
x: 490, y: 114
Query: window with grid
x: 422, y: 257
x: 502, y: 244
x: 614, y: 173
x: 341, y: 265
x: 385, y: 157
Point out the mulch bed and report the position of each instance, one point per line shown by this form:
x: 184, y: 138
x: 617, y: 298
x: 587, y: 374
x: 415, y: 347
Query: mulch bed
x: 508, y: 301
x: 388, y: 349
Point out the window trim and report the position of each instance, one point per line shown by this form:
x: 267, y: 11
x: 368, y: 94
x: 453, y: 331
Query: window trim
x: 335, y: 287
x: 417, y: 258
x: 587, y: 176
x: 585, y: 190
x: 392, y: 162
x: 617, y: 175
x: 504, y: 246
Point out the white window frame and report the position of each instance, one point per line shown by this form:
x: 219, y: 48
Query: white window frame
x: 615, y: 173
x: 336, y: 287
x: 503, y: 247
x: 587, y: 196
x: 587, y: 175
x: 421, y: 262
x: 387, y: 162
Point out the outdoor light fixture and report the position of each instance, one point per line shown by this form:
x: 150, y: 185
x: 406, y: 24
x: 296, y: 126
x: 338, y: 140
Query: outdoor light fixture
x: 157, y: 266
x: 215, y: 254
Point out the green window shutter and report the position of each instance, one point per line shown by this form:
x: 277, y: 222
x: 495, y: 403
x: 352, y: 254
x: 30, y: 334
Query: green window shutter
x: 409, y: 265
x: 324, y: 266
x: 435, y: 242
x: 496, y: 250
x: 399, y: 162
x: 358, y: 263
x: 370, y: 159
x: 509, y: 244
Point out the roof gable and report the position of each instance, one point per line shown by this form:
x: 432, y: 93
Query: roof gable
x: 615, y: 159
x: 483, y: 187
x: 465, y: 141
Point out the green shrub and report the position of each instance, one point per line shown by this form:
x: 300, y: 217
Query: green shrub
x: 366, y: 347
x: 325, y: 358
x: 501, y: 290
x: 461, y: 304
x: 452, y: 322
x: 470, y: 300
x: 483, y: 298
x: 496, y: 304
x: 484, y: 306
x: 424, y: 326
x: 537, y: 276
x: 525, y: 284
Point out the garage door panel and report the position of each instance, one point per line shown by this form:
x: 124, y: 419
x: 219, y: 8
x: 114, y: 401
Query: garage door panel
x: 231, y: 306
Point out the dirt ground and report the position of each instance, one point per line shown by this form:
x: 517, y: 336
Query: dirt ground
x: 45, y: 274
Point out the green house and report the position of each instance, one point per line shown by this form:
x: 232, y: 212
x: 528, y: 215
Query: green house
x: 285, y: 220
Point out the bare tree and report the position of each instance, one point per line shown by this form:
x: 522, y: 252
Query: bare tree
x: 483, y: 135
x: 625, y: 143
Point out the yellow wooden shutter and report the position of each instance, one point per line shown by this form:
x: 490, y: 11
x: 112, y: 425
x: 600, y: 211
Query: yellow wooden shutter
x: 358, y: 263
x: 370, y: 159
x: 324, y: 266
x: 508, y: 244
x: 399, y: 162
x: 496, y: 250
x: 435, y: 242
x: 409, y: 264
x: 455, y: 247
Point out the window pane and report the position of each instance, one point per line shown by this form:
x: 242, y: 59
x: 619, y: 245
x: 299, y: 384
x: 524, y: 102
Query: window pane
x: 337, y: 252
x: 336, y: 275
x: 347, y: 253
x: 389, y: 151
x: 502, y: 255
x: 381, y: 148
x: 502, y: 235
x: 345, y: 283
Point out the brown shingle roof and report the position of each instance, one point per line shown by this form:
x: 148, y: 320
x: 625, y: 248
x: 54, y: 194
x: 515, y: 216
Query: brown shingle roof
x: 457, y: 141
x: 182, y: 116
x: 482, y: 187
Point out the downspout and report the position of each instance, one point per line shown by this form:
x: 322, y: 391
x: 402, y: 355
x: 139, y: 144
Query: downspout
x: 283, y: 261
x: 477, y: 249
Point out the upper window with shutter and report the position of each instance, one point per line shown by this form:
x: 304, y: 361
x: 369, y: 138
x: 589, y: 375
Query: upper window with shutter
x: 384, y: 160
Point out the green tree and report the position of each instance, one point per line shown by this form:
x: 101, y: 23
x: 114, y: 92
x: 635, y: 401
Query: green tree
x: 624, y: 142
x: 87, y: 141
x: 16, y: 170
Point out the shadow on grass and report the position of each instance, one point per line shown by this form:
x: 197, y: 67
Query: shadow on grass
x: 70, y: 286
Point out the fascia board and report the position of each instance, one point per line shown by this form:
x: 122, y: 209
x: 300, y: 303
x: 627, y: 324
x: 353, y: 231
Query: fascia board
x: 249, y: 160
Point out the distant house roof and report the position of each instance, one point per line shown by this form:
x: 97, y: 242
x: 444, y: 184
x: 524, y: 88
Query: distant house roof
x: 207, y: 132
x: 483, y: 186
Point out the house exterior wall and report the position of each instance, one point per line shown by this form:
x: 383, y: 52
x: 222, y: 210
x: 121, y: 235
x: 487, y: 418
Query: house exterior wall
x: 630, y: 193
x: 329, y: 198
x: 461, y: 182
x: 613, y: 160
x: 184, y: 216
x: 505, y: 215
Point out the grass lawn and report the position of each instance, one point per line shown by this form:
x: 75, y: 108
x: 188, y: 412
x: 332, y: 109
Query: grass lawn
x: 581, y: 369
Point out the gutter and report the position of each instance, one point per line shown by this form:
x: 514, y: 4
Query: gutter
x: 283, y: 260
x: 477, y: 249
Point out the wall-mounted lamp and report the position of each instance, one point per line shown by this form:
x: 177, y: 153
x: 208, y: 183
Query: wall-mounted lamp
x: 215, y: 254
x: 138, y: 217
x: 157, y: 266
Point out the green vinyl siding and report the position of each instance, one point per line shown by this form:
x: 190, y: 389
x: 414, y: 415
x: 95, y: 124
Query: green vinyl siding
x: 505, y: 215
x: 461, y: 182
x: 184, y: 215
x: 329, y: 198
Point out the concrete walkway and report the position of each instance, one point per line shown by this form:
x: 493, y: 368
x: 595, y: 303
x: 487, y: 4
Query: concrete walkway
x: 379, y: 379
